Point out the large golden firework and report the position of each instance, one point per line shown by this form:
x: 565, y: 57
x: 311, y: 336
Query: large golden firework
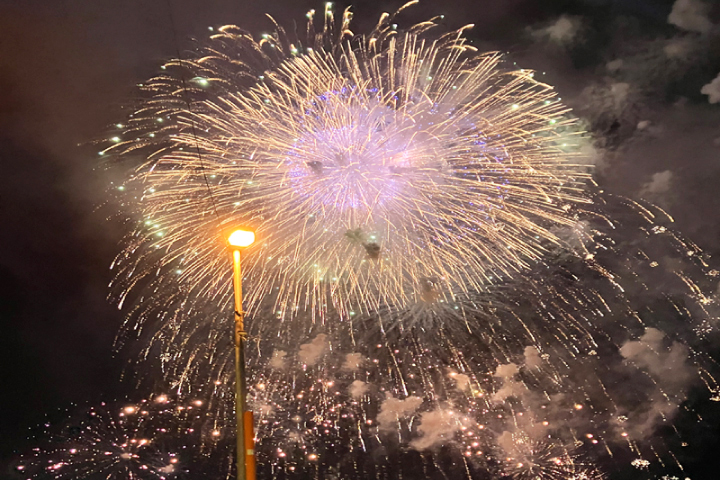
x: 377, y: 169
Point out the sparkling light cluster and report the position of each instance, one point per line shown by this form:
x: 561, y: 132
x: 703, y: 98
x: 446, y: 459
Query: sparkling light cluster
x: 436, y: 284
x: 158, y: 438
x: 376, y: 170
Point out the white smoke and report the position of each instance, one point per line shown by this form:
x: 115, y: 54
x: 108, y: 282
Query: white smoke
x: 357, y: 389
x: 669, y: 371
x: 506, y: 441
x: 691, y: 15
x: 510, y: 387
x: 668, y: 365
x: 278, y: 360
x: 436, y: 427
x: 619, y: 94
x: 392, y: 409
x: 678, y: 48
x: 461, y: 380
x: 563, y: 31
x: 353, y: 362
x: 508, y: 370
x: 614, y: 65
x: 658, y: 185
x: 712, y: 90
x: 532, y: 357
x: 310, y: 353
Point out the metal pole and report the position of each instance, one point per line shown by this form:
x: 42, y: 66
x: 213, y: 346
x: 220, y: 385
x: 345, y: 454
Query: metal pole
x: 240, y: 386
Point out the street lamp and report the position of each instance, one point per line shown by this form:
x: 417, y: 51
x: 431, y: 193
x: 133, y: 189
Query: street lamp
x: 238, y: 240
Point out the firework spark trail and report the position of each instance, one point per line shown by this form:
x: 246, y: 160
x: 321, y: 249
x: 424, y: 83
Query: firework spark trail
x: 424, y: 210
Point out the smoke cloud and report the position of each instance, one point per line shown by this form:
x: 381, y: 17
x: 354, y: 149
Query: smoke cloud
x: 278, y: 360
x: 353, y: 362
x: 690, y: 15
x: 563, y: 31
x: 393, y: 409
x: 436, y: 427
x: 712, y: 90
x: 357, y: 389
x: 311, y: 352
x: 532, y: 357
x: 670, y: 373
x: 510, y: 387
x: 461, y: 380
x: 659, y: 185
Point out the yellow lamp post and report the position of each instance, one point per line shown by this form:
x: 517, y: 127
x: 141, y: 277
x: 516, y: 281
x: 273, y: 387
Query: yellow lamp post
x: 238, y: 240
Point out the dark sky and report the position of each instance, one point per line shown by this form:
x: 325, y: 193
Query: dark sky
x: 67, y: 67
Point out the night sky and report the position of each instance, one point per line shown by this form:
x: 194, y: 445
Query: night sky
x: 69, y: 67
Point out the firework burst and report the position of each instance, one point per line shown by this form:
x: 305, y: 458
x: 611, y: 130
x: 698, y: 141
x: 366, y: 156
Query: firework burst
x: 376, y: 170
x: 154, y: 439
x: 434, y: 269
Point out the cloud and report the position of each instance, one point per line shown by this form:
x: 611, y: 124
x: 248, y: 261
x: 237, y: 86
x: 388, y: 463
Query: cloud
x: 619, y: 94
x: 507, y: 370
x: 712, y: 90
x: 353, y: 362
x: 614, y: 65
x: 436, y: 428
x: 278, y: 359
x: 643, y: 124
x: 649, y: 353
x: 510, y: 387
x: 532, y: 357
x: 658, y: 185
x: 169, y: 468
x: 678, y: 48
x: 392, y: 409
x: 690, y: 15
x: 563, y: 31
x: 311, y: 352
x: 461, y: 380
x: 357, y: 389
x: 670, y: 372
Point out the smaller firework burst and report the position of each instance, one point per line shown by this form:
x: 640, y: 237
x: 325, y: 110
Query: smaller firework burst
x: 155, y: 438
x: 529, y: 459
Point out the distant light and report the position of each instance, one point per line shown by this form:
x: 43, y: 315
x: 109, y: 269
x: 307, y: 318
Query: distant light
x: 241, y: 238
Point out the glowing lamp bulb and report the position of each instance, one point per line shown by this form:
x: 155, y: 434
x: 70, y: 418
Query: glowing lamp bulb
x: 241, y: 238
